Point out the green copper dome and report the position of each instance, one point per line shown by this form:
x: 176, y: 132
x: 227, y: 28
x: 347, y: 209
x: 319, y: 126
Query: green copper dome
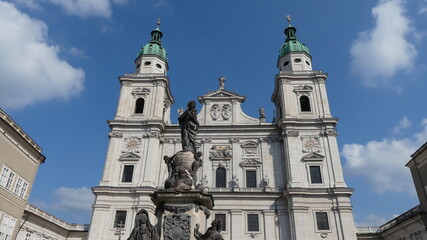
x: 154, y: 47
x: 291, y: 43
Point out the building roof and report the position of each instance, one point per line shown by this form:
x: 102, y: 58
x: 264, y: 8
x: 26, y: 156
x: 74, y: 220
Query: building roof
x: 154, y: 47
x: 56, y: 221
x: 10, y: 122
x: 419, y: 151
x: 291, y: 43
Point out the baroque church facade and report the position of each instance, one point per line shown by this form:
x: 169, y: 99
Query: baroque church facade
x: 269, y: 180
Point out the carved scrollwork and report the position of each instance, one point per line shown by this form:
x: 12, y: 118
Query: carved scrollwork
x: 226, y: 111
x: 331, y: 132
x: 220, y: 151
x: 115, y: 134
x: 290, y: 133
x: 215, y: 112
x: 176, y: 226
x: 178, y: 209
x: 140, y: 92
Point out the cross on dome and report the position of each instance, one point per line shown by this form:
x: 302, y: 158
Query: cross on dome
x: 158, y: 22
x: 289, y: 18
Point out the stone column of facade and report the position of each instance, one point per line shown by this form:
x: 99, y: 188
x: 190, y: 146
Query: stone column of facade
x: 238, y: 229
x: 269, y: 221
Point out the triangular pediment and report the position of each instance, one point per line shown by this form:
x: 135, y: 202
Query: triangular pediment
x: 129, y: 156
x: 221, y: 94
x: 250, y: 163
x: 313, y: 157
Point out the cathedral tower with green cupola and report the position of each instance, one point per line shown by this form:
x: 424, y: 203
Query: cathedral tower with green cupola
x: 318, y: 198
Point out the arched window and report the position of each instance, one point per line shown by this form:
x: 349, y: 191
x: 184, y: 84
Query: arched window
x: 139, y: 106
x: 220, y: 177
x: 305, y: 104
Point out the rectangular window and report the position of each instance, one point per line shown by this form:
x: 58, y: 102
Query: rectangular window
x: 251, y: 179
x: 315, y: 174
x: 10, y: 179
x: 18, y: 185
x: 322, y: 221
x: 4, y: 173
x: 221, y: 218
x: 127, y: 173
x: 23, y: 192
x: 253, y: 223
x: 120, y: 219
x: 6, y: 227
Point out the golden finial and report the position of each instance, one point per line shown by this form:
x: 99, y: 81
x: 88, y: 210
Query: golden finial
x: 158, y: 22
x: 289, y: 18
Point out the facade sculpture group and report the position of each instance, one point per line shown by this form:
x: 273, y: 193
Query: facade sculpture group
x: 182, y: 177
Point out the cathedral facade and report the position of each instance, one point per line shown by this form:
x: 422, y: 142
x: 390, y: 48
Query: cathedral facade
x: 269, y: 180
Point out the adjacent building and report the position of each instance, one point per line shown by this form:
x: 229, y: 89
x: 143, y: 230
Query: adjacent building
x: 270, y: 180
x: 20, y: 158
x: 418, y: 167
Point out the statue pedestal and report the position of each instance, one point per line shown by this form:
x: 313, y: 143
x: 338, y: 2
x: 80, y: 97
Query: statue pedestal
x: 179, y: 212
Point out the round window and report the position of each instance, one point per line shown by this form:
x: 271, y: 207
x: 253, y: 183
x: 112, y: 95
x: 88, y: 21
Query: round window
x: 286, y: 63
x: 158, y: 65
x: 147, y: 63
x: 297, y: 60
x: 308, y: 63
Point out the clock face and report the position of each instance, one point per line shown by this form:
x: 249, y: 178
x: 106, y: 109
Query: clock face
x: 132, y: 144
x: 310, y: 144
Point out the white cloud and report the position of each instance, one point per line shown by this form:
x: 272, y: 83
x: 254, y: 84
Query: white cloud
x: 88, y: 8
x: 76, y: 52
x: 382, y: 163
x: 402, y: 125
x: 30, y: 68
x: 379, y: 54
x: 69, y: 204
x: 73, y: 199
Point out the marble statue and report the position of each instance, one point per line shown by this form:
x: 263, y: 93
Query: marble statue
x: 143, y: 229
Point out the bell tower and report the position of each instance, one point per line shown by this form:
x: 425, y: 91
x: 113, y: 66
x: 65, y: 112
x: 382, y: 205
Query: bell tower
x: 133, y: 162
x: 316, y: 191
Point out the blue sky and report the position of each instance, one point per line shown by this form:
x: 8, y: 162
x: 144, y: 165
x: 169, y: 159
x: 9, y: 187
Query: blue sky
x: 59, y: 63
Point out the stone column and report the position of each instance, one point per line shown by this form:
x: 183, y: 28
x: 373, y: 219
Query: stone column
x: 236, y: 218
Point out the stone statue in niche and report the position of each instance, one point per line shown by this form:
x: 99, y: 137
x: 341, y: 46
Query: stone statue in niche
x: 235, y: 181
x: 183, y: 166
x: 143, y: 229
x: 213, y: 232
x: 266, y: 181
